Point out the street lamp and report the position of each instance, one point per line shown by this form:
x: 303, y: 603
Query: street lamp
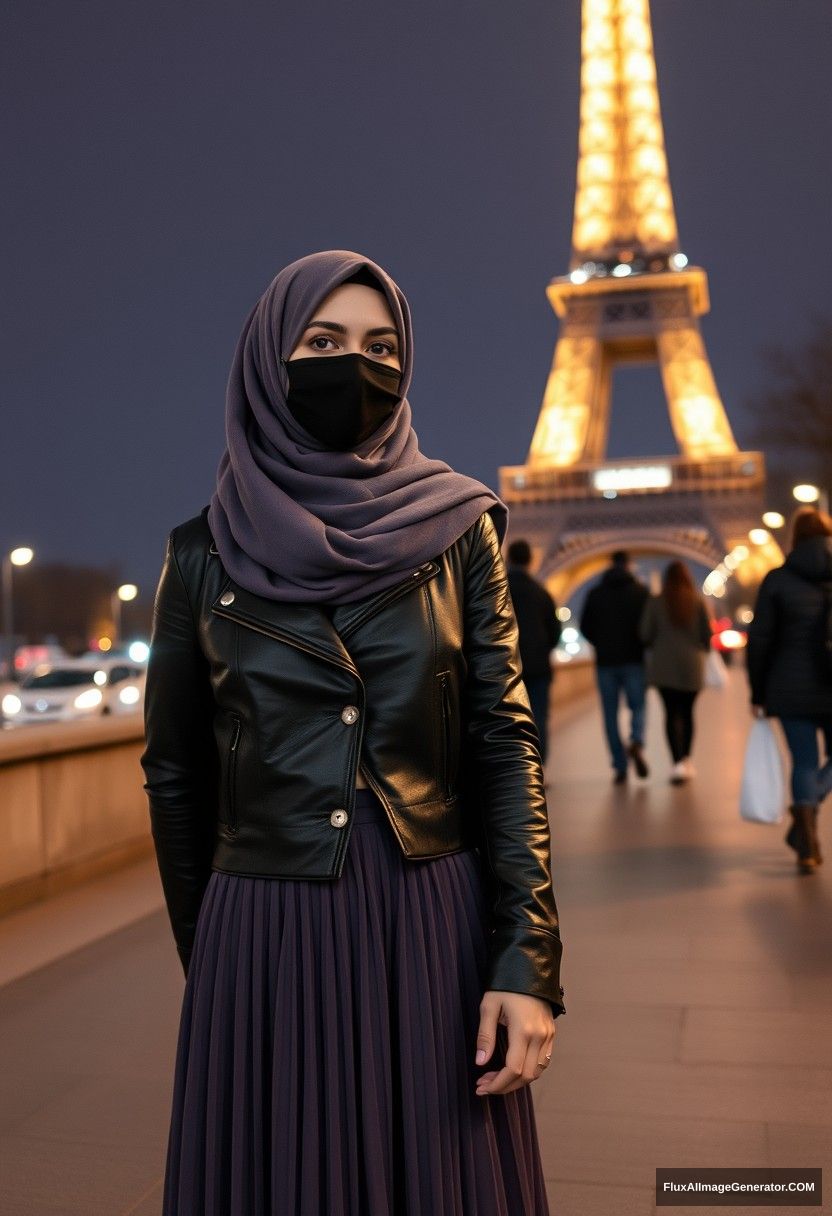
x: 812, y: 495
x: 773, y: 519
x: 18, y: 557
x: 122, y: 595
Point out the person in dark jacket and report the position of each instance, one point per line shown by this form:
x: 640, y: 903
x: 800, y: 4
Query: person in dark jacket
x: 537, y: 621
x: 789, y: 671
x: 610, y: 621
x: 677, y: 629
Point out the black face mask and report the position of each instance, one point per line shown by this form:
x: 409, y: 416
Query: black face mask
x: 341, y: 399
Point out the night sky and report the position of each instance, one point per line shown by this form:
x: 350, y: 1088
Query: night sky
x: 163, y: 161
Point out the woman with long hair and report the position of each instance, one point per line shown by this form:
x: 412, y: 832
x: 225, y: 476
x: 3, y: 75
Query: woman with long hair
x: 676, y: 628
x: 346, y: 795
x: 790, y: 670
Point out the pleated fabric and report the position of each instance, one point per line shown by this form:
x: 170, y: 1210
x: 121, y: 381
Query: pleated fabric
x: 325, y: 1056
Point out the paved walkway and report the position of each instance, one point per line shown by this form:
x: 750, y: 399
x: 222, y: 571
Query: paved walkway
x: 698, y: 970
x: 699, y: 991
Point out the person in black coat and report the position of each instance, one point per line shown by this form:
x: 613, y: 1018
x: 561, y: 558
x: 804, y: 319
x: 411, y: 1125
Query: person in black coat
x: 790, y: 670
x: 540, y: 630
x: 610, y: 621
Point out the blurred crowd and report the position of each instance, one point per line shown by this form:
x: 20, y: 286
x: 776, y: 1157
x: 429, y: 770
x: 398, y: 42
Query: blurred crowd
x: 665, y: 641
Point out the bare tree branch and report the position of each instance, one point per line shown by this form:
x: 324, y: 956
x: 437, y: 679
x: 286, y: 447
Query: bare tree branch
x: 793, y: 412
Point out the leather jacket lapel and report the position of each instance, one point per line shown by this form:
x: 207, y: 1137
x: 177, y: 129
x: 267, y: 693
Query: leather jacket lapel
x: 308, y: 626
x: 303, y: 625
x: 350, y: 617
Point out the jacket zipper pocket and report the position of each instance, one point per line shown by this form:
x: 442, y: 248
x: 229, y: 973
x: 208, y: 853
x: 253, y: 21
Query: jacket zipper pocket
x: 446, y: 735
x: 232, y: 776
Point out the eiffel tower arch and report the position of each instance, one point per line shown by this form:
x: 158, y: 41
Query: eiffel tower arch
x: 630, y: 297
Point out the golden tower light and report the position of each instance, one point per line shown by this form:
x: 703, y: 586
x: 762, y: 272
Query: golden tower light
x: 630, y: 295
x: 623, y: 201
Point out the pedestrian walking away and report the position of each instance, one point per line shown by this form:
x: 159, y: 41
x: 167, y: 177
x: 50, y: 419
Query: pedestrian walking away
x: 610, y: 621
x: 346, y: 796
x: 676, y: 628
x: 540, y: 629
x: 789, y: 658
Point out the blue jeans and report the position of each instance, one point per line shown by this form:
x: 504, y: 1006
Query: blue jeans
x: 613, y: 680
x: 538, y: 688
x: 811, y: 781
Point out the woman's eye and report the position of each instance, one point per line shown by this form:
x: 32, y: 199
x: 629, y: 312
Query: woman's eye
x: 380, y: 349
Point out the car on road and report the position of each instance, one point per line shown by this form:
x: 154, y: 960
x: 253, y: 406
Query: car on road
x: 70, y: 689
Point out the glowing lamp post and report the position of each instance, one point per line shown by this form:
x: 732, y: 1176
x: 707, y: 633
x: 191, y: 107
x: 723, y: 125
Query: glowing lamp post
x: 121, y: 595
x: 773, y: 519
x: 811, y: 496
x: 18, y: 557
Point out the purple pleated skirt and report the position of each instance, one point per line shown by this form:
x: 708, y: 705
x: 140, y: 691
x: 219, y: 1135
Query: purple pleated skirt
x: 325, y: 1057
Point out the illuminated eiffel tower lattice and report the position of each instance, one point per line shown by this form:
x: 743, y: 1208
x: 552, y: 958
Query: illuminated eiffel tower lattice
x: 630, y: 297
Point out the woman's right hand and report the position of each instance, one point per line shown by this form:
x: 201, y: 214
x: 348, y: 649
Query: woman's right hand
x: 531, y: 1035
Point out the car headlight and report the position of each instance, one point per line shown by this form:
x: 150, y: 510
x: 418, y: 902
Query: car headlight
x: 88, y: 699
x: 11, y: 704
x: 129, y: 695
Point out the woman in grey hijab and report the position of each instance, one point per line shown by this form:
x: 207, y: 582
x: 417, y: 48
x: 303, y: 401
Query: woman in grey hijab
x: 340, y: 1050
x: 295, y: 517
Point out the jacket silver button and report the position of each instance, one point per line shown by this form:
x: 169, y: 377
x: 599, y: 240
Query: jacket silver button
x: 349, y: 714
x: 338, y: 818
x: 227, y: 597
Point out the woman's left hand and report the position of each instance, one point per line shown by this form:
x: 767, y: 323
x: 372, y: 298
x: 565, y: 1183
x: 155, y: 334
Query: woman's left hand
x: 531, y: 1036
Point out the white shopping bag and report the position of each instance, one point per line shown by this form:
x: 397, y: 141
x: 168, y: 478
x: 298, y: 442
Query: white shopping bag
x: 716, y: 673
x: 763, y: 789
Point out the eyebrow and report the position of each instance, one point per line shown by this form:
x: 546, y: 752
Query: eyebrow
x: 342, y: 329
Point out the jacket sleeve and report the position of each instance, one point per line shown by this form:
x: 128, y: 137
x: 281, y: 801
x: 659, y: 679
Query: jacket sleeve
x: 761, y: 636
x: 552, y: 622
x: 502, y: 745
x: 705, y: 631
x: 648, y: 624
x: 587, y: 623
x: 179, y: 759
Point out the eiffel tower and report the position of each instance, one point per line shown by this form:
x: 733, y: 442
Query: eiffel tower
x: 630, y: 297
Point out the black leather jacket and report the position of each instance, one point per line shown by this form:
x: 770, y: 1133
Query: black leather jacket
x: 258, y: 714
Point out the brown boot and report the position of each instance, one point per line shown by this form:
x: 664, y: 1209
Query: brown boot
x: 818, y: 857
x: 802, y: 836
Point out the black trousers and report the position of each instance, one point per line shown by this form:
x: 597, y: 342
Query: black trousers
x: 678, y: 720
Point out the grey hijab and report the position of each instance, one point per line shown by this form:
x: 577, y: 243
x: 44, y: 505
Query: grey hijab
x: 293, y: 520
